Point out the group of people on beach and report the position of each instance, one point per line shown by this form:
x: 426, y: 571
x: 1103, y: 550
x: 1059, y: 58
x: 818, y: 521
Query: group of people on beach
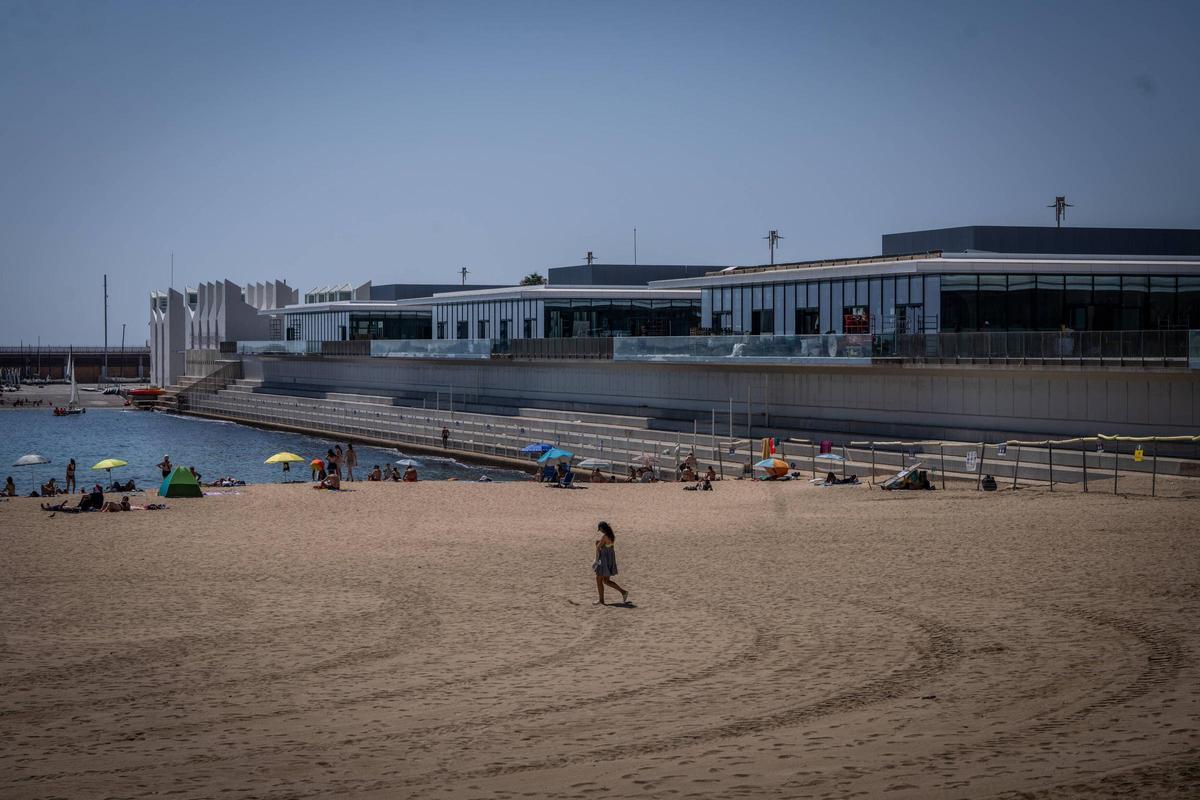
x: 390, y: 473
x: 21, y: 401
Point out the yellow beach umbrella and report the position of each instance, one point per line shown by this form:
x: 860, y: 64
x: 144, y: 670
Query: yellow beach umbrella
x: 110, y: 464
x: 285, y: 459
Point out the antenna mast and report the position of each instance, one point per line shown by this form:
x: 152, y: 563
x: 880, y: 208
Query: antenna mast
x: 589, y: 258
x: 772, y: 238
x: 463, y: 273
x: 106, y: 326
x: 1060, y: 206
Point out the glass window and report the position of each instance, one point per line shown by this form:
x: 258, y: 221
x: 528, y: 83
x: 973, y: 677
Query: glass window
x: 1187, y: 312
x: 1135, y: 297
x: 1021, y: 295
x: 762, y: 322
x: 1106, y: 303
x: 462, y: 329
x: 959, y: 296
x: 902, y: 289
x: 1048, y: 304
x: 855, y: 319
x: 808, y: 321
x: 993, y: 302
x: 888, y: 307
x: 1160, y: 312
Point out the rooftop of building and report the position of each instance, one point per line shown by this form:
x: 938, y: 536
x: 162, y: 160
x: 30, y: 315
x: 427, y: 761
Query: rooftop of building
x: 1026, y: 239
x: 596, y: 274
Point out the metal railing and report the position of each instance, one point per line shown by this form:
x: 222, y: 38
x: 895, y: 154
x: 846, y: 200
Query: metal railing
x: 593, y: 347
x: 1082, y: 348
x: 1140, y: 348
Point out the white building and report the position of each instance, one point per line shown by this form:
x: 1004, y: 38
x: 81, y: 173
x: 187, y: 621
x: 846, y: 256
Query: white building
x: 203, y: 317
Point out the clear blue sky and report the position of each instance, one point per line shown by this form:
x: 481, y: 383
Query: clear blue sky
x: 324, y: 142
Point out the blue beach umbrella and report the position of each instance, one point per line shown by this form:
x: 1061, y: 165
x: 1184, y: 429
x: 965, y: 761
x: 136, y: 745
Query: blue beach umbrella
x: 554, y: 454
x: 536, y: 449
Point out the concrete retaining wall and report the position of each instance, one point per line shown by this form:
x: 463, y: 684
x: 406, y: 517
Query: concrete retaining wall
x: 909, y: 401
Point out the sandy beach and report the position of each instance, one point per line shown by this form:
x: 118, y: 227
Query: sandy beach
x: 439, y: 640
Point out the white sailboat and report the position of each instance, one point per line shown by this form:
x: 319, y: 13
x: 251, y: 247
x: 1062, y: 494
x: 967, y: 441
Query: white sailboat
x: 73, y: 403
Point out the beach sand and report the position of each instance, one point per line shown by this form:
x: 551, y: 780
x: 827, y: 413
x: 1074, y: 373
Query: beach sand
x: 439, y: 640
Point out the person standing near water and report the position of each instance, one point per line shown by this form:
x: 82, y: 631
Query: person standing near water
x: 445, y: 437
x: 165, y: 466
x: 351, y: 461
x: 337, y: 463
x: 69, y: 484
x: 605, y: 565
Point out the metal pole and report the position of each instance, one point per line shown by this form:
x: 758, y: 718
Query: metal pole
x: 1051, y: 446
x: 942, y: 457
x: 766, y: 401
x: 1083, y: 454
x: 979, y: 473
x: 1017, y: 467
x: 106, y: 326
x: 844, y: 462
x: 872, y: 463
x: 1154, y: 473
x: 731, y: 419
x: 1116, y: 460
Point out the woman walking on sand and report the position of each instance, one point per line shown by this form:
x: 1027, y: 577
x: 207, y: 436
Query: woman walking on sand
x: 605, y: 565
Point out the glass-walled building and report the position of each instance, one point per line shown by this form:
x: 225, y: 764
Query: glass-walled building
x: 536, y: 312
x: 942, y: 292
x: 357, y: 321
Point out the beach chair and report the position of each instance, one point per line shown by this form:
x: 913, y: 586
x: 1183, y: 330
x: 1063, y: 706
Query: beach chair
x: 567, y: 480
x: 548, y: 474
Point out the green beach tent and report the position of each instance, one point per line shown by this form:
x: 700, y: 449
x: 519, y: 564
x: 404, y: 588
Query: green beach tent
x: 180, y: 483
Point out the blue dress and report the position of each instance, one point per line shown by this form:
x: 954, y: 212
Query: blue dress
x: 606, y: 563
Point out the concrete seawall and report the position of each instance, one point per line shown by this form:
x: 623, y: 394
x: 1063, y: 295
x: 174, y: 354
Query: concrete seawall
x: 967, y: 403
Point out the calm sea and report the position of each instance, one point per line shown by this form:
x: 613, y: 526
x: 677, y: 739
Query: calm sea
x: 213, y: 448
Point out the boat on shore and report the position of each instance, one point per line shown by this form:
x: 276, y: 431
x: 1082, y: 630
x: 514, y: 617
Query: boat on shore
x: 72, y: 407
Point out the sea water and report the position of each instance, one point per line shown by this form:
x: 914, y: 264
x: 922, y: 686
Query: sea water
x: 213, y: 447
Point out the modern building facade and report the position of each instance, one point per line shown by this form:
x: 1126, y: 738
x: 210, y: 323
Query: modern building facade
x: 342, y: 313
x: 948, y: 291
x: 203, y: 317
x: 554, y: 312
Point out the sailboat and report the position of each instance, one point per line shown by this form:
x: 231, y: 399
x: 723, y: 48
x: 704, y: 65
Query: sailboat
x: 72, y: 406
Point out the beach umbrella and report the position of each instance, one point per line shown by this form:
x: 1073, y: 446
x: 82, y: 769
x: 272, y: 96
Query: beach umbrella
x: 408, y: 462
x: 110, y: 464
x: 555, y: 455
x: 647, y: 460
x: 31, y: 460
x: 830, y: 457
x: 595, y: 463
x: 773, y: 466
x: 536, y: 449
x: 285, y: 459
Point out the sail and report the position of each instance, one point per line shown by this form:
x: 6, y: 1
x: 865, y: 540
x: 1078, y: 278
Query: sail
x: 74, y: 390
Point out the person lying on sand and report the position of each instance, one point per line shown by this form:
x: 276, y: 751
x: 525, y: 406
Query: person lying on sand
x: 121, y: 506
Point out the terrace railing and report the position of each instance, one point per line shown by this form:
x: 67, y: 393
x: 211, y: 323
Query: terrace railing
x: 1081, y: 348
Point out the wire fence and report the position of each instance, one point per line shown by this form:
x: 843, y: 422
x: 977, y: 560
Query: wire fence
x: 1081, y: 459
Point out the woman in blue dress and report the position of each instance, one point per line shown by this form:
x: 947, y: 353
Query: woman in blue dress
x: 605, y: 565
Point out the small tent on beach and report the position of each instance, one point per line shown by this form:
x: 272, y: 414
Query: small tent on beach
x: 180, y: 483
